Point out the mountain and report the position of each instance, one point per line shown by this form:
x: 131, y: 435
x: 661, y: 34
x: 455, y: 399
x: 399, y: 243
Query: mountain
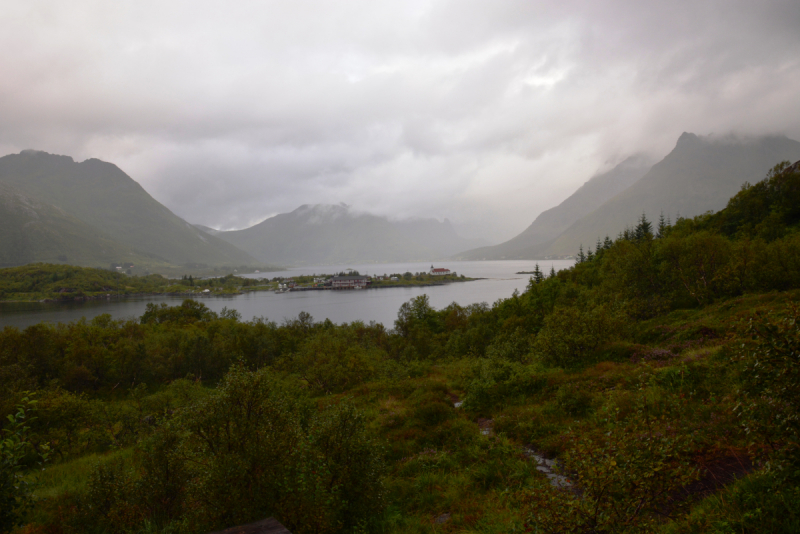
x: 549, y: 224
x: 103, y: 197
x: 206, y: 229
x: 700, y: 174
x: 34, y: 231
x: 335, y: 234
x: 438, y: 236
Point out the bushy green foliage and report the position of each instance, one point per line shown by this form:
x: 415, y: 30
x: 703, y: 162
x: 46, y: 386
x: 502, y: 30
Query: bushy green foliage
x: 498, y: 381
x: 189, y: 311
x: 15, y: 447
x: 570, y: 335
x: 332, y: 361
x: 253, y: 448
x: 765, y: 209
x: 758, y: 503
x: 770, y: 405
x: 630, y: 368
x: 626, y: 477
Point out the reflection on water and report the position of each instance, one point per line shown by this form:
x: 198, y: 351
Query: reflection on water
x: 379, y: 305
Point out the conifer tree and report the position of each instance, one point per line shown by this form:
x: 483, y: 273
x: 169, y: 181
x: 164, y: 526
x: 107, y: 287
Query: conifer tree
x: 552, y: 271
x: 643, y: 229
x: 607, y: 242
x: 589, y: 254
x: 537, y: 274
x: 581, y: 256
x: 662, y: 227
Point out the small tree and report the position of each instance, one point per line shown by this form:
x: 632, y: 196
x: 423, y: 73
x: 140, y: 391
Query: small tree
x: 15, y: 492
x: 581, y: 256
x: 663, y: 226
x: 537, y: 274
x: 643, y: 229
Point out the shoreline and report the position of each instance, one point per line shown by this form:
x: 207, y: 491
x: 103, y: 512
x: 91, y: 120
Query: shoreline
x: 86, y: 298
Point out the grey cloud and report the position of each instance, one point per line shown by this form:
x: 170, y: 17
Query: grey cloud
x: 483, y: 112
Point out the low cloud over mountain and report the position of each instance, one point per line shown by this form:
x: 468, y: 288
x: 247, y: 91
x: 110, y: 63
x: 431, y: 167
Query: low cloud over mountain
x: 486, y: 113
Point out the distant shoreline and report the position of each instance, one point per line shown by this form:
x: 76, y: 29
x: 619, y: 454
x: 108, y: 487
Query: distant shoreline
x: 381, y: 286
x: 195, y: 294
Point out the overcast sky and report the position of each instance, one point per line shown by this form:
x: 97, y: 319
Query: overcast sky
x: 486, y: 112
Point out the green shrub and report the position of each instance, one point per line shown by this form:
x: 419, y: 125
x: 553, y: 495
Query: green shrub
x: 160, y: 489
x: 252, y: 448
x: 334, y: 361
x: 770, y: 375
x: 570, y: 335
x: 760, y: 502
x: 574, y: 400
x: 15, y: 447
x: 626, y: 475
x: 498, y: 382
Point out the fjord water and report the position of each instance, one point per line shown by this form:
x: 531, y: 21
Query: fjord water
x: 498, y: 280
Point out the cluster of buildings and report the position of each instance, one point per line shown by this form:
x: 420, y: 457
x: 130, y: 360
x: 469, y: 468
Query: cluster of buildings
x: 349, y: 282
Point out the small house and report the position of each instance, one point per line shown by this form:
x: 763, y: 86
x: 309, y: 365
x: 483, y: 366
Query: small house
x: 438, y: 271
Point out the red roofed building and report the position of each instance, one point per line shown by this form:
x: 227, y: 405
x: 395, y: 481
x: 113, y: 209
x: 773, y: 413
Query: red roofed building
x: 438, y: 272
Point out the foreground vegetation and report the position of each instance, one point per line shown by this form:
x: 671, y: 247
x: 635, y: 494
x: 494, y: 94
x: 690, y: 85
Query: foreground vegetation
x: 661, y: 373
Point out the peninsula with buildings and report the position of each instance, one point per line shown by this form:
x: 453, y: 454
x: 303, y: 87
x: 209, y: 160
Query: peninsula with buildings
x: 44, y: 282
x: 351, y: 279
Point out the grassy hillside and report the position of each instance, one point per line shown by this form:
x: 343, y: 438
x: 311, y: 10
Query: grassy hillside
x: 551, y: 223
x: 33, y: 231
x: 105, y: 198
x: 699, y: 175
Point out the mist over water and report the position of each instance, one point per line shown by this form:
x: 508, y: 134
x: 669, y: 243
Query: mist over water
x: 380, y: 305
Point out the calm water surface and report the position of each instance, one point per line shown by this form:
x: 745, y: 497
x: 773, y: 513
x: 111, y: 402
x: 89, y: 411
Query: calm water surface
x: 380, y: 305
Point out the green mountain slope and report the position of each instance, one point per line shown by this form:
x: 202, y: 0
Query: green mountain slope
x: 549, y: 224
x: 699, y: 175
x: 33, y: 231
x: 333, y: 234
x: 104, y: 197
